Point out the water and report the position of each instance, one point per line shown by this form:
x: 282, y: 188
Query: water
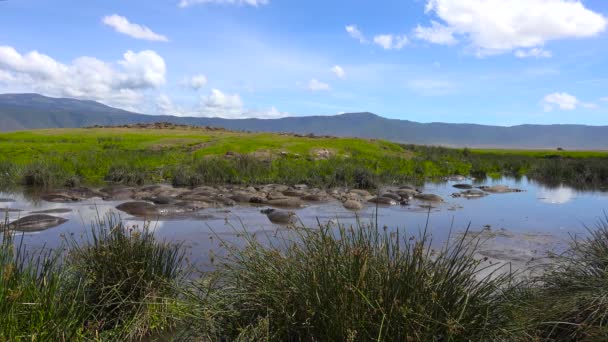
x: 518, y: 226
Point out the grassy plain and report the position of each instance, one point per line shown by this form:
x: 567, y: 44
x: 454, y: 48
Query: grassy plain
x: 187, y: 156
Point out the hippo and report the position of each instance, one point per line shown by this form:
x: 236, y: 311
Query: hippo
x: 362, y: 193
x: 37, y: 222
x: 315, y: 198
x: 294, y: 193
x: 286, y: 203
x: 280, y: 216
x: 407, y: 187
x: 391, y: 196
x: 471, y: 193
x: 353, y: 205
x: 428, y: 197
x: 406, y: 193
x: 463, y: 186
x: 498, y: 189
x: 59, y: 197
x: 383, y: 201
x: 117, y: 193
x: 53, y: 211
x: 138, y: 208
x: 241, y: 197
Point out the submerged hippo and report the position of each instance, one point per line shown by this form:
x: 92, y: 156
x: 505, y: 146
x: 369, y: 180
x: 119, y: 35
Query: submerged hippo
x: 138, y: 208
x: 406, y: 193
x: 33, y: 223
x: 463, y: 186
x: 286, y: 203
x: 353, y: 205
x: 471, y: 193
x: 280, y: 216
x: 53, y: 211
x: 383, y: 201
x: 315, y: 197
x: 498, y: 189
x: 428, y: 197
x: 391, y: 196
x: 59, y: 197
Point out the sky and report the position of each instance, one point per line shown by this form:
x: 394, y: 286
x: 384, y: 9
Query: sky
x: 498, y: 62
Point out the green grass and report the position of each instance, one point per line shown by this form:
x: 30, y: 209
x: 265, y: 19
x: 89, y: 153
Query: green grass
x: 120, y: 284
x: 329, y: 283
x: 351, y: 284
x: 192, y: 156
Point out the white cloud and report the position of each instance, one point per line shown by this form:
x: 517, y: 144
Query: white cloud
x: 338, y: 71
x: 254, y: 3
x: 354, y: 32
x: 563, y: 101
x: 604, y: 99
x: 316, y: 85
x: 431, y: 87
x: 437, y: 34
x: 389, y: 42
x: 535, y: 53
x: 196, y: 82
x: 120, y: 84
x: 122, y: 25
x: 497, y: 26
x: 216, y: 104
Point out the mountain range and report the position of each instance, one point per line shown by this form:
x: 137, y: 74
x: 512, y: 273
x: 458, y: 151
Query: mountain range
x: 34, y: 111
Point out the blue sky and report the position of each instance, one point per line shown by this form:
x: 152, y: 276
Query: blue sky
x: 501, y: 62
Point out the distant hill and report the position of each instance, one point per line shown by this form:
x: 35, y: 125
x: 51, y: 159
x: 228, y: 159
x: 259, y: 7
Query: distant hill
x: 32, y: 111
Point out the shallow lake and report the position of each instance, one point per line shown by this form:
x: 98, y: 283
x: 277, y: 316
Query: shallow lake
x: 518, y: 226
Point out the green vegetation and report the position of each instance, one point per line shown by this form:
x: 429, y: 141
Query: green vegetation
x: 191, y: 156
x: 120, y: 284
x: 342, y: 283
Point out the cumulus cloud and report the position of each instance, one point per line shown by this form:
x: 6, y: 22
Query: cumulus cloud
x: 390, y: 42
x: 354, y: 32
x: 216, y: 104
x: 122, y: 25
x: 436, y: 33
x: 196, y: 82
x: 338, y: 71
x: 120, y: 84
x: 498, y: 26
x: 563, y: 101
x: 316, y: 85
x: 534, y: 53
x: 254, y: 3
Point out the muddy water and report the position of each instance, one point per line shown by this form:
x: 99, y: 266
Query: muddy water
x: 520, y: 227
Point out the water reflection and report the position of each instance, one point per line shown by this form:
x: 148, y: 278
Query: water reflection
x: 558, y: 195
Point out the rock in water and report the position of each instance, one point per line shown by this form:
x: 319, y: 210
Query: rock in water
x: 280, y: 216
x: 38, y: 222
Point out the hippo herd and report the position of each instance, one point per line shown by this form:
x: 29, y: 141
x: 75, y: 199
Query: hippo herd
x: 164, y: 202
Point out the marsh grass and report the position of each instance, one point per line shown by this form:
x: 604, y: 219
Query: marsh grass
x: 118, y: 285
x: 569, y: 302
x: 350, y: 284
x: 129, y: 279
x: 40, y: 300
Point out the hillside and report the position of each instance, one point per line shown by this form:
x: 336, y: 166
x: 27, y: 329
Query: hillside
x: 33, y: 111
